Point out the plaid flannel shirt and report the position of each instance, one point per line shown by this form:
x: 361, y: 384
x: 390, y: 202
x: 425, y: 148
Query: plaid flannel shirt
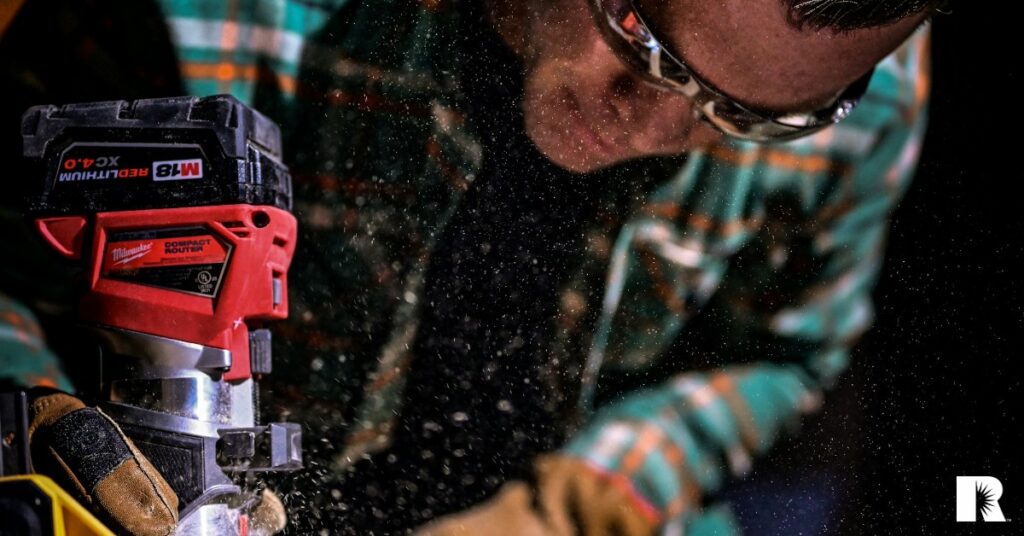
x: 800, y: 228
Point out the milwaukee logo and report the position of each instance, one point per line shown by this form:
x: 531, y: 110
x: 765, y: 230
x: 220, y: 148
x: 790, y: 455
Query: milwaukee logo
x: 126, y: 255
x: 173, y: 170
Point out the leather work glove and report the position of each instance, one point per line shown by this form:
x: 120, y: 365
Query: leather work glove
x: 269, y: 515
x: 86, y: 452
x: 569, y: 499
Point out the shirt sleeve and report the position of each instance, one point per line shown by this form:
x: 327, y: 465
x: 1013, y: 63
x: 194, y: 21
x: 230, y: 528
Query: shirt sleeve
x: 251, y: 51
x: 25, y: 360
x: 379, y: 157
x: 797, y: 298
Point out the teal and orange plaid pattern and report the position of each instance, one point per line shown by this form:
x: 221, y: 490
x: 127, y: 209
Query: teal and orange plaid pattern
x: 24, y: 356
x: 786, y: 239
x: 800, y: 227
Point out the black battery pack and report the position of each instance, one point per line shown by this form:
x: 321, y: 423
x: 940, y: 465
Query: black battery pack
x: 152, y: 153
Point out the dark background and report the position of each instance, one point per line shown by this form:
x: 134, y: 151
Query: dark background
x: 933, y: 388
x: 937, y: 382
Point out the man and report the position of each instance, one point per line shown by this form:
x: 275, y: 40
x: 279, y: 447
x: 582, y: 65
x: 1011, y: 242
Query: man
x: 511, y: 215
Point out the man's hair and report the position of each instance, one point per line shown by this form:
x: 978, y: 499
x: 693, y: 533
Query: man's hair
x: 845, y: 15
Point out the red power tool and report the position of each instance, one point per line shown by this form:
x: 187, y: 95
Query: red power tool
x: 178, y: 210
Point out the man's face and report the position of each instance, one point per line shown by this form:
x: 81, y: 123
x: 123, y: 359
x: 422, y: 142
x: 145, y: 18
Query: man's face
x: 585, y: 109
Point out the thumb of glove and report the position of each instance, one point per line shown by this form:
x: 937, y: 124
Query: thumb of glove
x: 86, y: 452
x: 268, y: 517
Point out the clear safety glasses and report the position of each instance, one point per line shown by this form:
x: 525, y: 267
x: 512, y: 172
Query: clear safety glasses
x: 632, y: 40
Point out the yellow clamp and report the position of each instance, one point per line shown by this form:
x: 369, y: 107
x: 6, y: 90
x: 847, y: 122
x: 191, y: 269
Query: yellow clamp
x: 42, y: 506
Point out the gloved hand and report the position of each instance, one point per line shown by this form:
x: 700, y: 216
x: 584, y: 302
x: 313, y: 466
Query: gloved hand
x: 268, y: 517
x: 569, y: 499
x: 85, y: 451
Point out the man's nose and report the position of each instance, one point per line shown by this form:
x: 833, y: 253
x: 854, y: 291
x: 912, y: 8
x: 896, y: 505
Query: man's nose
x: 620, y: 89
x: 629, y: 98
x: 622, y: 96
x: 634, y: 101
